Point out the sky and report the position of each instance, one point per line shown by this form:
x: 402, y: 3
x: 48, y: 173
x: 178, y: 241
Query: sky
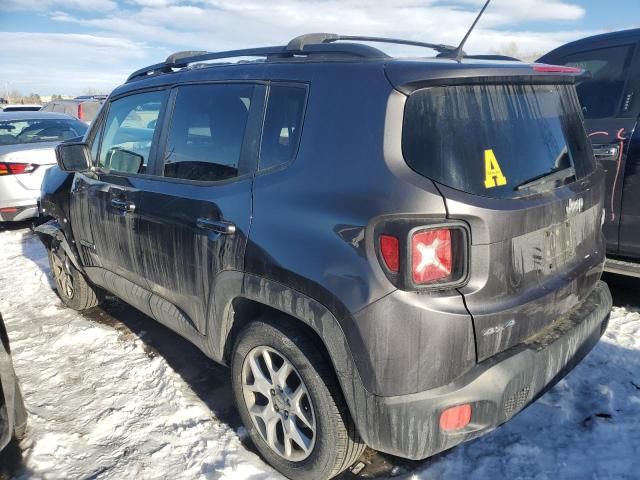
x: 71, y: 47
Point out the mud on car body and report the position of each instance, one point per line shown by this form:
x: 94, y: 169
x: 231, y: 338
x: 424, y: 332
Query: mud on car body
x: 13, y: 413
x: 394, y: 253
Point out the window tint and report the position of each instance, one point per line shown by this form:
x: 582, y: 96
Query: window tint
x: 207, y: 131
x: 518, y: 139
x: 128, y: 132
x: 600, y: 95
x: 282, y: 126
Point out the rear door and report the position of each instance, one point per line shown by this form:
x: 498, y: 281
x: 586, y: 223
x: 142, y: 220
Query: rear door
x: 195, y: 212
x: 610, y: 104
x: 523, y: 177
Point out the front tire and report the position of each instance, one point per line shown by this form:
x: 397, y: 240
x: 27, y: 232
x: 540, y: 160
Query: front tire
x: 73, y: 288
x: 291, y: 404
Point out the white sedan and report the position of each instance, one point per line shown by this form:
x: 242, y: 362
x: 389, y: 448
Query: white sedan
x: 27, y: 150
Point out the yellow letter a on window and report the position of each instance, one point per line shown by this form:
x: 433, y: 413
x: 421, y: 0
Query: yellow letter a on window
x: 493, y: 176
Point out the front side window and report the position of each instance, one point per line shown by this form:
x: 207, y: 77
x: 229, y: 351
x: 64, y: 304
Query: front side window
x: 128, y: 132
x: 600, y: 95
x: 13, y: 132
x: 282, y: 125
x: 207, y: 131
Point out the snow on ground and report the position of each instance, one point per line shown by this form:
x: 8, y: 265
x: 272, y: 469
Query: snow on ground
x: 113, y: 395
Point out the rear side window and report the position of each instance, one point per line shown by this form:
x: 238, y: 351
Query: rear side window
x: 600, y: 95
x: 501, y: 141
x: 207, y: 131
x: 282, y: 125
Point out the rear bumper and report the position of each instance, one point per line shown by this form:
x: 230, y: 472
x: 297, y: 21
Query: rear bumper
x: 497, y: 389
x: 17, y: 202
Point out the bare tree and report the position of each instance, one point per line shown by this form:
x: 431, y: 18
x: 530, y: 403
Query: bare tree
x: 91, y: 91
x: 15, y: 96
x: 511, y: 49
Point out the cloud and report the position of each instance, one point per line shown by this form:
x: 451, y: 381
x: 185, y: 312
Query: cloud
x: 44, y: 5
x: 223, y: 24
x: 66, y: 63
x: 142, y: 32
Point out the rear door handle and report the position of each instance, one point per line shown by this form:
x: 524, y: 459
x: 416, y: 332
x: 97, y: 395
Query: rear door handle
x: 218, y: 226
x: 123, y: 205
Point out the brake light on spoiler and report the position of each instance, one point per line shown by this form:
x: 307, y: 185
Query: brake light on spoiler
x: 556, y: 69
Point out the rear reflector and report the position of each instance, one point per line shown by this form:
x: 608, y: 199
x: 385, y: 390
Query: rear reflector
x: 390, y: 250
x: 556, y: 69
x: 455, y: 418
x: 8, y: 210
x: 431, y: 255
x: 16, y: 168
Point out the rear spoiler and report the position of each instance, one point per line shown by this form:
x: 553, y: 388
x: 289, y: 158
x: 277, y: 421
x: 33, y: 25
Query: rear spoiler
x: 407, y: 76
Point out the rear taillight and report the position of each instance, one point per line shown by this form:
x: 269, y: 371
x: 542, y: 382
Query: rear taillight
x: 7, y: 168
x: 416, y: 257
x: 80, y: 112
x: 431, y: 256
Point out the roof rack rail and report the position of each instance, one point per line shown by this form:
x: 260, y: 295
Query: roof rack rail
x: 183, y: 59
x: 299, y: 43
x: 307, y: 44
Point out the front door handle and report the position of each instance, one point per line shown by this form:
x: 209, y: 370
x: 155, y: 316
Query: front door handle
x: 123, y: 205
x: 218, y: 226
x: 606, y: 152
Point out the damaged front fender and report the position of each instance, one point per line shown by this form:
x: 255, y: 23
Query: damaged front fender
x: 52, y: 231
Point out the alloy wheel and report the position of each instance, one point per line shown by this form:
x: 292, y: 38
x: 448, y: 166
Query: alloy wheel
x: 279, y: 403
x: 62, y: 273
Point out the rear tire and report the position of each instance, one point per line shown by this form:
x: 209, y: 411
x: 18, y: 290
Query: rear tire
x: 320, y: 411
x: 73, y: 288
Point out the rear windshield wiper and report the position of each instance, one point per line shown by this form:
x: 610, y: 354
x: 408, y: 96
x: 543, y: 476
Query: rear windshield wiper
x: 563, y: 174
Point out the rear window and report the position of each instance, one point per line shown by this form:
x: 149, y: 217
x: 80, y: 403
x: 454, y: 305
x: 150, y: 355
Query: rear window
x: 14, y: 132
x: 500, y: 141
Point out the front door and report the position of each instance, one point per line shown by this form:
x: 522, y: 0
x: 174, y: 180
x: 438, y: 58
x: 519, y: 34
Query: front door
x: 195, y: 213
x: 104, y: 202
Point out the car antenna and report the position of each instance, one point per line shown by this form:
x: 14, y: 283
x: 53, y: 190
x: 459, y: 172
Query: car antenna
x: 458, y: 53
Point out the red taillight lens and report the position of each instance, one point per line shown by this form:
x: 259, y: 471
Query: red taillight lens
x: 80, y: 112
x: 455, y: 418
x: 390, y: 250
x: 431, y: 256
x: 16, y: 168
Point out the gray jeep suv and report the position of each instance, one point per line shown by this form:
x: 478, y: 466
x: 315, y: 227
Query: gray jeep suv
x: 394, y: 253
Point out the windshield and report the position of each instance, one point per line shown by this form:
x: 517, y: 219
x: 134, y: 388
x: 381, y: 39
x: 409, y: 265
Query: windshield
x: 500, y: 141
x: 13, y: 132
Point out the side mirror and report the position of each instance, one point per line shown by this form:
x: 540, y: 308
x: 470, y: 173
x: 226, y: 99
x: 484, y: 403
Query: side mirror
x: 73, y: 157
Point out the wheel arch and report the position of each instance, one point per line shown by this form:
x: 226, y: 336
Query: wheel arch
x: 52, y: 230
x: 262, y: 296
